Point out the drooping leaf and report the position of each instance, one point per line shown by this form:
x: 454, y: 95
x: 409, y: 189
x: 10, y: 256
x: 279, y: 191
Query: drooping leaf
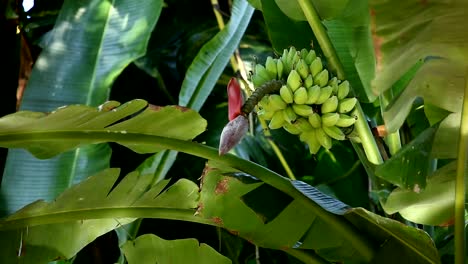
x: 392, y: 236
x: 413, y: 245
x: 170, y: 121
x: 266, y: 221
x: 90, y: 45
x: 213, y: 57
x: 432, y: 206
x: 152, y: 249
x: 45, y: 229
x: 410, y: 166
x: 403, y: 35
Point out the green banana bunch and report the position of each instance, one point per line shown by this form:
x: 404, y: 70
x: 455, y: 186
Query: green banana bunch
x: 309, y: 103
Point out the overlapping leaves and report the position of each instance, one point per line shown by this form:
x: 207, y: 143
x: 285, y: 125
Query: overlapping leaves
x: 24, y: 129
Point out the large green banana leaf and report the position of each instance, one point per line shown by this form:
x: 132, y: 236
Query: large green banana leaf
x: 348, y: 234
x: 52, y: 231
x: 108, y: 119
x: 404, y: 35
x: 228, y: 198
x: 89, y: 46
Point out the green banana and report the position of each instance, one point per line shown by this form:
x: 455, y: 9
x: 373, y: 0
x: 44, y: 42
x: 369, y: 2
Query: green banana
x: 265, y: 114
x: 323, y: 138
x: 302, y: 110
x: 334, y: 132
x: 270, y: 66
x: 277, y: 120
x: 303, y: 124
x: 279, y: 68
x: 316, y: 66
x: 321, y: 79
x: 294, y: 80
x: 330, y: 105
x: 345, y: 121
x: 333, y: 83
x: 261, y: 71
x: 330, y: 119
x: 289, y: 115
x: 310, y: 139
x: 343, y: 90
x: 346, y: 105
x: 292, y: 129
x: 310, y: 57
x: 325, y: 93
x: 315, y: 120
x: 300, y: 95
x: 302, y: 68
x: 309, y: 81
x: 276, y: 102
x: 286, y: 94
x: 292, y: 58
x: 304, y: 53
x: 313, y: 94
x: 284, y: 60
x: 258, y: 80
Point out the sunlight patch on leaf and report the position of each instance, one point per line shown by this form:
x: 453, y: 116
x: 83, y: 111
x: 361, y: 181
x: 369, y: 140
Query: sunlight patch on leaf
x: 133, y: 117
x: 433, y: 206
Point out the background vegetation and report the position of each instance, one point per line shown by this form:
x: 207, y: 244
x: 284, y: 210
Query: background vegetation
x: 388, y: 199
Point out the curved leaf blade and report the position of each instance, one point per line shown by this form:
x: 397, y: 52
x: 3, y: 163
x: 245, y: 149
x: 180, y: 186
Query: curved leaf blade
x: 152, y: 249
x: 170, y: 121
x: 433, y: 206
x: 267, y: 221
x: 402, y: 42
x: 93, y: 198
x: 213, y: 57
x: 412, y: 244
x: 410, y: 166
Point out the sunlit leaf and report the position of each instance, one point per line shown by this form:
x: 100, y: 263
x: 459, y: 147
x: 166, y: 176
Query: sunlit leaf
x: 433, y: 206
x: 171, y: 121
x: 90, y: 45
x: 152, y: 249
x: 410, y: 166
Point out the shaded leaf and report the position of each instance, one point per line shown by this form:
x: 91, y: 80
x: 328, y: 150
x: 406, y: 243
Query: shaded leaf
x: 410, y: 166
x: 413, y: 245
x: 170, y: 121
x: 393, y: 236
x: 50, y: 225
x: 350, y: 34
x: 433, y: 206
x: 280, y: 26
x: 325, y: 10
x: 213, y: 57
x: 152, y: 249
